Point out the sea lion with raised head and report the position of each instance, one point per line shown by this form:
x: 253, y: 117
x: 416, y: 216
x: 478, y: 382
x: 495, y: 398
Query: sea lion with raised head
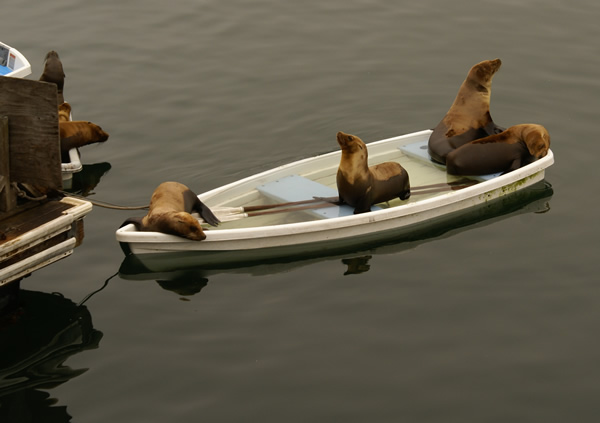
x: 503, y: 152
x: 361, y: 186
x: 54, y: 73
x: 469, y: 116
x: 77, y: 133
x: 170, y: 211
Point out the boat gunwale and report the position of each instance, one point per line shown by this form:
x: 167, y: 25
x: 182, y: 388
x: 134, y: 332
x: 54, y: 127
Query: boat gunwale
x: 128, y: 233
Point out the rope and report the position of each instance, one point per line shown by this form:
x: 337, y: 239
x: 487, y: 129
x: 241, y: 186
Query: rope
x: 104, y: 204
x: 22, y: 194
x: 91, y: 294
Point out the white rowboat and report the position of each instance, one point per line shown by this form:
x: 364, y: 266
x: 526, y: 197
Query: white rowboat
x: 322, y: 230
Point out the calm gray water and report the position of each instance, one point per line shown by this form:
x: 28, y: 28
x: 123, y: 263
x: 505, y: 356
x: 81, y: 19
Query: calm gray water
x: 491, y: 322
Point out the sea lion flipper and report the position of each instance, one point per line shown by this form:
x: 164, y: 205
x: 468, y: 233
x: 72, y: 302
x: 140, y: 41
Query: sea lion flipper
x: 363, y: 205
x: 205, y: 213
x: 137, y: 222
x: 193, y: 204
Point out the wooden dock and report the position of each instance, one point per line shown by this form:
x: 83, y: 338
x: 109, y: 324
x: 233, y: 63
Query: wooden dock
x: 37, y: 225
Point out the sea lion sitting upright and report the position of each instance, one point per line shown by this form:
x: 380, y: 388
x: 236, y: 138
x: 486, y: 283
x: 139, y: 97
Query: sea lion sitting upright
x: 469, y: 116
x: 53, y: 73
x: 503, y: 152
x: 77, y: 133
x: 361, y: 186
x: 170, y: 208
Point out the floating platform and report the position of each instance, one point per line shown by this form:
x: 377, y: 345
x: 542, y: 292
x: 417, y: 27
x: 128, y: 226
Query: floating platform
x: 40, y: 236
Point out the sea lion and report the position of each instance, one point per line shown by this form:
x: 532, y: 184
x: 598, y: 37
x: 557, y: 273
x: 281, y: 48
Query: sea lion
x: 53, y: 73
x: 77, y: 133
x: 503, y: 152
x: 361, y: 186
x: 64, y: 112
x: 469, y: 116
x: 170, y: 208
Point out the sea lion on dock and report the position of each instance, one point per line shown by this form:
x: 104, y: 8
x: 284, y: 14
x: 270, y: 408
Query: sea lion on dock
x: 170, y: 208
x: 503, y: 152
x: 361, y: 186
x: 54, y: 73
x: 77, y: 133
x: 469, y: 116
x: 64, y: 112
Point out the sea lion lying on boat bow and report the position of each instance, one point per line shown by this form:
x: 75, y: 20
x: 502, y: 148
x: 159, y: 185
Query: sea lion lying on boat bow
x: 170, y: 208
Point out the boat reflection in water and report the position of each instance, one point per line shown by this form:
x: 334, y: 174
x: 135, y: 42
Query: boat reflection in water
x: 88, y: 178
x: 181, y: 272
x: 36, y: 339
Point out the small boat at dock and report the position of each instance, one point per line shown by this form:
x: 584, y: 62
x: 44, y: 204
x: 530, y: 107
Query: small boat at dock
x: 285, y: 220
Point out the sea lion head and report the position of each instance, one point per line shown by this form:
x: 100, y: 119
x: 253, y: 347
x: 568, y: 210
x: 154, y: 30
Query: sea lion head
x: 537, y: 140
x: 182, y: 224
x: 99, y: 134
x: 51, y: 55
x: 483, y: 72
x: 350, y: 143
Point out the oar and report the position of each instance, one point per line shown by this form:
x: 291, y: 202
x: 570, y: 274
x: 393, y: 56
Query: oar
x: 228, y: 214
x: 249, y: 209
x: 459, y: 184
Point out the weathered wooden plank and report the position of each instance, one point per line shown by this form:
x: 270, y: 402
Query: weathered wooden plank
x: 7, y: 197
x: 34, y: 154
x: 16, y: 225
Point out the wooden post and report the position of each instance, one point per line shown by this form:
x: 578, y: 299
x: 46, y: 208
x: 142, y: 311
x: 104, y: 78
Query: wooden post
x: 34, y: 153
x: 7, y: 198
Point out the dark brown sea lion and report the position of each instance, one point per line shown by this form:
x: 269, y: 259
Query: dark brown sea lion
x: 77, y: 133
x: 535, y: 137
x: 53, y: 73
x: 503, y: 152
x: 469, y: 116
x: 361, y: 186
x: 64, y: 112
x: 170, y: 208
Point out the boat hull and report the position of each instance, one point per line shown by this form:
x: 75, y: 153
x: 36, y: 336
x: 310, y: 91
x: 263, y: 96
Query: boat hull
x: 322, y: 235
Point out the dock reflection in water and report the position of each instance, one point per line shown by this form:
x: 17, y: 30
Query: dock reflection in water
x: 180, y: 272
x: 35, y: 341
